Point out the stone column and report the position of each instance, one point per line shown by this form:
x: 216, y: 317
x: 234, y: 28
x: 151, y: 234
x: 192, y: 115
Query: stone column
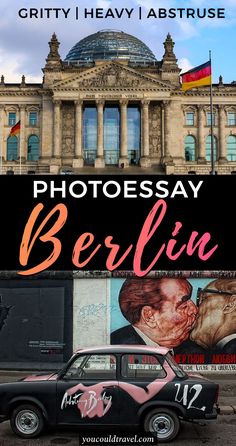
x: 201, y: 140
x: 57, y: 130
x: 78, y: 159
x: 2, y: 151
x: 222, y: 141
x: 40, y: 124
x: 46, y: 130
x: 166, y: 138
x: 145, y: 160
x: 99, y: 161
x: 23, y: 146
x: 162, y: 132
x: 123, y: 160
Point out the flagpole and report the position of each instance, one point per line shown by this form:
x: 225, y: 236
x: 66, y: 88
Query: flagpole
x: 0, y: 159
x: 20, y: 153
x: 1, y: 148
x: 212, y: 135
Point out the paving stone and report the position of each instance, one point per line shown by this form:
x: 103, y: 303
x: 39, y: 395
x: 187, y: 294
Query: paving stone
x: 234, y: 407
x: 226, y: 410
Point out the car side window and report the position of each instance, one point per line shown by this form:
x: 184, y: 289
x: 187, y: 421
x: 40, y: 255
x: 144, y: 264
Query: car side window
x: 142, y: 367
x: 92, y: 367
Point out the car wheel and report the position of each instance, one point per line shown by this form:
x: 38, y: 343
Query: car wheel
x: 27, y: 421
x: 163, y: 423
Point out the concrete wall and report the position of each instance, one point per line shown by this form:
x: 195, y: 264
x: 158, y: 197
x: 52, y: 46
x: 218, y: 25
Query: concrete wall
x: 91, y: 320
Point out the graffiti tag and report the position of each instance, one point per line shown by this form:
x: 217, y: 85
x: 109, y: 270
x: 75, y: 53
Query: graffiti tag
x: 89, y: 403
x: 189, y: 395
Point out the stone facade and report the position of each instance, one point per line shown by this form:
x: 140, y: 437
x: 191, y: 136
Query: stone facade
x: 59, y: 102
x: 68, y: 125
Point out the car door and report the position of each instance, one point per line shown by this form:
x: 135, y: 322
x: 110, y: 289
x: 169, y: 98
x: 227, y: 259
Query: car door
x: 88, y: 391
x: 141, y: 379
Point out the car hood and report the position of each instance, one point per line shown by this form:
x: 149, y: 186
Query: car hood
x: 43, y: 377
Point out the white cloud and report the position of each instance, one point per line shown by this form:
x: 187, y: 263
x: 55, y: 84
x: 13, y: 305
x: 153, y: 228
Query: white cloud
x: 185, y: 65
x: 103, y: 4
x: 148, y: 4
x: 11, y: 69
x: 187, y: 28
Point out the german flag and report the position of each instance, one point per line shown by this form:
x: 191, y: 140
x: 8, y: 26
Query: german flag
x: 15, y: 130
x: 197, y: 77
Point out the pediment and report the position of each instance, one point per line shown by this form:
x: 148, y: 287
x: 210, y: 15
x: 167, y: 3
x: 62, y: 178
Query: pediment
x: 111, y: 75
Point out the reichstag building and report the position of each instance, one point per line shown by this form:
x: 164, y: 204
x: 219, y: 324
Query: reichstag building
x: 112, y: 104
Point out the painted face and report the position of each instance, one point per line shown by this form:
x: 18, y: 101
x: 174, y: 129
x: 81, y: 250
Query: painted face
x: 210, y: 318
x: 177, y: 315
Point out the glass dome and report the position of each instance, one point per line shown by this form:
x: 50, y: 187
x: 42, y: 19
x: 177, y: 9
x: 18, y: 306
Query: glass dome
x: 108, y: 44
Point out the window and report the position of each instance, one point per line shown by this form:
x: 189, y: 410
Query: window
x: 231, y: 118
x: 209, y: 119
x: 33, y: 148
x: 92, y: 367
x: 111, y: 134
x: 189, y: 118
x: 208, y: 147
x: 231, y: 148
x: 190, y: 148
x: 33, y: 118
x: 134, y: 132
x: 142, y: 366
x: 12, y: 148
x: 176, y: 367
x: 11, y: 119
x: 90, y: 134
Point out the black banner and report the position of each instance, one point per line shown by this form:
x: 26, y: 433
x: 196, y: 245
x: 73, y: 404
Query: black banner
x: 122, y: 222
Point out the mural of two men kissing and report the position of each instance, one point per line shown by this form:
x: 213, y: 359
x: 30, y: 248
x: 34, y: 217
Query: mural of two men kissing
x: 195, y: 318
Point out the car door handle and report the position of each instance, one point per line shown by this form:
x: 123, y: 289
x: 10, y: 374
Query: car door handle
x: 109, y: 387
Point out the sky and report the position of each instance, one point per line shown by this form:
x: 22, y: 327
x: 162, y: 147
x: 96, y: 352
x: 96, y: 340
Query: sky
x: 24, y: 42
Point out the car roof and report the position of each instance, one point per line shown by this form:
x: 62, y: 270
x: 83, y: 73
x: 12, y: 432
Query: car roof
x: 145, y: 349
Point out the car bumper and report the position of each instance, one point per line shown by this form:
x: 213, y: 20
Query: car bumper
x: 212, y: 415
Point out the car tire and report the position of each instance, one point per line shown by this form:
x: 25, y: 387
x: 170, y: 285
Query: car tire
x: 163, y: 423
x: 27, y: 421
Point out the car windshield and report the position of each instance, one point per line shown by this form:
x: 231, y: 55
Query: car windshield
x: 176, y: 367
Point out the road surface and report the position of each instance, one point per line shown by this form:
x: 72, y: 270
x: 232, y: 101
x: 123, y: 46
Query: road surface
x: 218, y: 433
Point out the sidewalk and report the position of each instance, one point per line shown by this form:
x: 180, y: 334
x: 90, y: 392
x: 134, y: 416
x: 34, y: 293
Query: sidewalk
x: 227, y: 392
